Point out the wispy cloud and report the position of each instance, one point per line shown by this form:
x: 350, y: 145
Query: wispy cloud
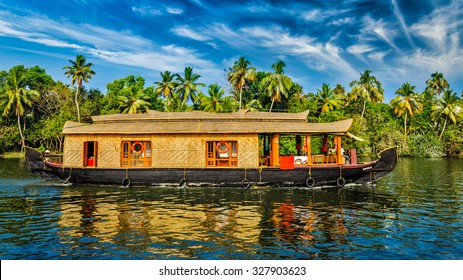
x: 315, y: 55
x: 102, y: 43
x: 319, y: 15
x: 150, y: 11
x: 174, y: 11
x: 187, y: 32
x: 400, y: 17
x: 450, y: 61
x: 437, y: 28
x: 441, y: 31
x: 146, y: 11
x: 341, y: 21
x: 380, y: 29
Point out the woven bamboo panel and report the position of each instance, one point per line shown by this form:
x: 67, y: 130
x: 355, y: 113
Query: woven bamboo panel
x: 73, y: 155
x: 109, y: 152
x: 248, y: 148
x: 168, y: 150
x: 172, y: 151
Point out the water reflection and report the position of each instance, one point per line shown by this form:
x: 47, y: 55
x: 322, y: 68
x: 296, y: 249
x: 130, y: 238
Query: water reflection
x: 189, y: 221
x: 405, y: 217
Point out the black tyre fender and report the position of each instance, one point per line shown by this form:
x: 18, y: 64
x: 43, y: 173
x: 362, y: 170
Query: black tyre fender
x: 310, y: 182
x: 245, y: 184
x: 126, y: 182
x: 183, y: 184
x: 341, y: 182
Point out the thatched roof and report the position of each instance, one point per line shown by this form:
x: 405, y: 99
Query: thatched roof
x: 242, y: 115
x: 198, y: 122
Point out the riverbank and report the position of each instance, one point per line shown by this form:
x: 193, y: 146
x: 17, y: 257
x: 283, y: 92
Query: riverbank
x: 12, y: 155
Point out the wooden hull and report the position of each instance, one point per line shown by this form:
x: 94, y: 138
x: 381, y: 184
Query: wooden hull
x: 317, y: 175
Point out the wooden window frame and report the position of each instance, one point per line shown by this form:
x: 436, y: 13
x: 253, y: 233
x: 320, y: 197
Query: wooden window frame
x: 215, y: 158
x: 86, y: 156
x: 131, y: 158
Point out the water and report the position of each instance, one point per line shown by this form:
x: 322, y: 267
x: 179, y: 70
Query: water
x: 416, y: 212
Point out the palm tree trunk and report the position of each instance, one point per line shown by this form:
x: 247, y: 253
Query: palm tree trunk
x: 21, y: 133
x: 405, y: 124
x: 363, y: 111
x: 241, y: 94
x: 271, y: 105
x: 77, y: 103
x: 445, y: 123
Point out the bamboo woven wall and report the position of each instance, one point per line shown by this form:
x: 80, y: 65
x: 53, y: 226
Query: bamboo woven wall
x: 190, y: 151
x: 109, y: 148
x: 169, y: 150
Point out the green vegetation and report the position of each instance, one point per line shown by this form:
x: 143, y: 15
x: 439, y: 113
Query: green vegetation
x: 34, y: 107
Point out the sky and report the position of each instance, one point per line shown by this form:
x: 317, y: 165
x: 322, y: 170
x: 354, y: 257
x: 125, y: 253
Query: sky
x: 319, y: 41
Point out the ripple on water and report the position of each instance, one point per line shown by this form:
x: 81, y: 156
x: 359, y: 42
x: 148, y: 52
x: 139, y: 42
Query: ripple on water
x: 411, y: 214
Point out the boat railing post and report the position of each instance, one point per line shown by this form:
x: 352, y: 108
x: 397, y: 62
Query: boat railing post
x: 339, y: 156
x: 308, y: 150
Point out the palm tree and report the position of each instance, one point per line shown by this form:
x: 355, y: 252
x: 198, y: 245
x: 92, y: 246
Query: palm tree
x: 407, y: 101
x: 239, y: 74
x: 80, y: 72
x: 18, y: 98
x: 134, y: 103
x: 448, y: 106
x: 175, y: 104
x: 276, y: 84
x: 132, y: 96
x: 327, y: 100
x: 167, y: 84
x: 368, y: 88
x: 187, y: 86
x: 213, y: 102
x: 437, y: 84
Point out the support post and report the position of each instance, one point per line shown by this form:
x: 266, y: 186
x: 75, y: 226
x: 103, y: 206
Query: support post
x: 308, y: 150
x: 275, y: 152
x: 339, y: 156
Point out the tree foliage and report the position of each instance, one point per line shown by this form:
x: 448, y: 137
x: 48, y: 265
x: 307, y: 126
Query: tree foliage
x: 428, y: 124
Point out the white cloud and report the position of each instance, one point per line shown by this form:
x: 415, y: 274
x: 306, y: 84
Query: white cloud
x: 342, y: 21
x: 53, y: 43
x: 360, y: 49
x: 402, y: 23
x: 379, y: 29
x: 222, y: 32
x: 174, y: 11
x: 437, y: 28
x: 146, y: 11
x: 187, y: 32
x: 378, y: 56
x: 323, y: 57
x: 318, y: 15
x: 105, y: 44
x: 450, y: 62
x: 313, y: 15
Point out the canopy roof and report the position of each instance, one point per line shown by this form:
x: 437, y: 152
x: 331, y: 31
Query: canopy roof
x: 199, y: 122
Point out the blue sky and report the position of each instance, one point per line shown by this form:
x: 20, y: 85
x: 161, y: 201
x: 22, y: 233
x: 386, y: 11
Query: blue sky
x: 320, y: 41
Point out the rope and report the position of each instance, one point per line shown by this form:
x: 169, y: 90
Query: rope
x: 310, y: 171
x: 245, y: 174
x: 184, y: 174
x: 126, y: 173
x: 69, y: 177
x: 260, y: 173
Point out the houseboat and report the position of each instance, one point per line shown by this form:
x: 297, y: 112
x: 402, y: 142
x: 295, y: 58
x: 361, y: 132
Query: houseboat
x: 200, y: 148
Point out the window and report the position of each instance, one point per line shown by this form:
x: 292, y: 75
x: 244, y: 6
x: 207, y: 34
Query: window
x: 90, y: 153
x: 136, y: 154
x: 222, y: 153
